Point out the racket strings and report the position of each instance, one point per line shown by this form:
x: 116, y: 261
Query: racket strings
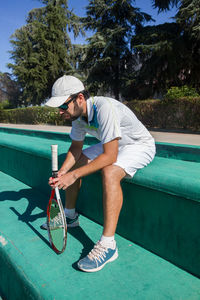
x: 98, y: 252
x: 56, y: 221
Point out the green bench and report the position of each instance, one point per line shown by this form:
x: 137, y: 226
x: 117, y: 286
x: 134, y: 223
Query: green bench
x: 29, y: 269
x: 161, y: 203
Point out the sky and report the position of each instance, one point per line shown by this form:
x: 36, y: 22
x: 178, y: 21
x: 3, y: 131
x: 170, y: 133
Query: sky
x: 13, y: 16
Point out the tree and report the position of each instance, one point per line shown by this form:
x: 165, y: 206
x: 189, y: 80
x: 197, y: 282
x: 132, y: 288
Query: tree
x: 188, y: 15
x: 42, y: 50
x: 165, y: 4
x: 109, y: 52
x: 169, y: 53
x: 161, y: 51
x: 9, y: 89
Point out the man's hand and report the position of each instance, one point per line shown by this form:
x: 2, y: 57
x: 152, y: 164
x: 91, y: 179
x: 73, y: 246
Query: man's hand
x: 59, y: 174
x: 71, y: 158
x: 63, y: 181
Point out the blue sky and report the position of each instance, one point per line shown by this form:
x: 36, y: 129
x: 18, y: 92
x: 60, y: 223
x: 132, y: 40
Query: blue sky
x: 13, y: 16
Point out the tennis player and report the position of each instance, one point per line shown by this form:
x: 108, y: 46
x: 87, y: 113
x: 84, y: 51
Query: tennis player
x: 124, y: 147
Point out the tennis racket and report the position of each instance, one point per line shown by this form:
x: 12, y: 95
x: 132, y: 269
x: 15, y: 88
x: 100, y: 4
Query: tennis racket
x: 56, y: 221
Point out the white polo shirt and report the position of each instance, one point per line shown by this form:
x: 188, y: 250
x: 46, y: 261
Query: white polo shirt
x: 109, y: 119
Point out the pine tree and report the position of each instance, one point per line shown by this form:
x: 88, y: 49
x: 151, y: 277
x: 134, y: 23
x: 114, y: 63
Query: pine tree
x: 188, y: 17
x: 9, y: 90
x: 161, y: 52
x: 163, y: 5
x: 169, y: 53
x: 42, y: 50
x: 109, y: 50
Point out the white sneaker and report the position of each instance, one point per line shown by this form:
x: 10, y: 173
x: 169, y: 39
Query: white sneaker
x: 98, y: 257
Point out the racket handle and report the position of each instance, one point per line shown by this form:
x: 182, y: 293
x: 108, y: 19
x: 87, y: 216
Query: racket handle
x: 57, y: 193
x: 54, y: 159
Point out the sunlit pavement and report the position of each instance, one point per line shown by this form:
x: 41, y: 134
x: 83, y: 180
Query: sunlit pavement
x: 160, y: 136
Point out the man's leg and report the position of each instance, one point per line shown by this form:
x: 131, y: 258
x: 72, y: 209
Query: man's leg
x: 112, y: 197
x: 71, y: 193
x: 106, y: 250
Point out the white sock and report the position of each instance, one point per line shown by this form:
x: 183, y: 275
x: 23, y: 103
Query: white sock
x: 70, y: 213
x: 108, y: 241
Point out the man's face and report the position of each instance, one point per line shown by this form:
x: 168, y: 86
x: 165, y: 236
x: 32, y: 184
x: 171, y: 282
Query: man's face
x: 71, y: 110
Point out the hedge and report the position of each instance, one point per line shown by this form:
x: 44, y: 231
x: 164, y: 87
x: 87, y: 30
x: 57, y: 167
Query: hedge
x: 181, y: 114
x: 32, y: 115
x: 176, y: 114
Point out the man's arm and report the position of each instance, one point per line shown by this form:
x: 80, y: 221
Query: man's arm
x: 72, y: 156
x: 108, y: 157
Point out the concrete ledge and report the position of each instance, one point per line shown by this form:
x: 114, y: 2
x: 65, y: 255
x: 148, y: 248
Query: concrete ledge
x: 161, y: 204
x: 29, y: 268
x: 163, y: 174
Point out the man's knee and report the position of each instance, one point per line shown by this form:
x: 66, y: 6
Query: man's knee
x: 112, y: 173
x: 107, y: 172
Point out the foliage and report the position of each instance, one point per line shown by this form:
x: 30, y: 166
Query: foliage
x: 4, y: 104
x: 9, y: 90
x: 122, y: 57
x: 42, y: 50
x: 188, y: 17
x: 32, y: 115
x: 160, y: 53
x: 169, y: 53
x: 183, y: 114
x: 165, y: 4
x: 108, y: 52
x: 180, y: 92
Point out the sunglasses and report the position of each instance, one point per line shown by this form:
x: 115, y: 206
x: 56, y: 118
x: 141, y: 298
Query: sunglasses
x: 65, y: 106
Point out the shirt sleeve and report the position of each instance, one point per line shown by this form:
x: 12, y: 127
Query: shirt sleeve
x: 77, y: 132
x: 109, y: 123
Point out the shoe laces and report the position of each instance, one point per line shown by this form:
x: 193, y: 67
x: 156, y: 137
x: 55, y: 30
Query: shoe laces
x: 98, y: 252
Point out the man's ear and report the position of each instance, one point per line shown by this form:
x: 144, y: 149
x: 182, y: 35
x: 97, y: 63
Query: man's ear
x: 81, y: 98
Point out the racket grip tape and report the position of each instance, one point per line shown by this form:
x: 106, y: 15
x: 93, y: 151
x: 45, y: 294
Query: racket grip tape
x: 54, y: 160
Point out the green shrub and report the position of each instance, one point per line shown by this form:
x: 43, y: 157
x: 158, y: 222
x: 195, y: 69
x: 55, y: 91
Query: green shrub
x: 4, y: 104
x: 181, y: 92
x: 182, y: 114
x: 32, y: 115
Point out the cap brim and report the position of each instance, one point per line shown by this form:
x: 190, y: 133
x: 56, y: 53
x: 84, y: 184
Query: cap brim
x: 56, y: 101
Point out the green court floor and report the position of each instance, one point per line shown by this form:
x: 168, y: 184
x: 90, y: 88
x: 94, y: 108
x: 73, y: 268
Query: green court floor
x: 29, y: 269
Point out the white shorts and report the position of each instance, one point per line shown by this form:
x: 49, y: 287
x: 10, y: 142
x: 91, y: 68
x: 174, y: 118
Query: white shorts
x: 130, y: 157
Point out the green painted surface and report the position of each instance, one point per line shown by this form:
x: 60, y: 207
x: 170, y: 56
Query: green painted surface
x: 176, y: 151
x: 161, y: 203
x: 160, y: 222
x: 174, y: 170
x: 176, y: 177
x: 29, y: 268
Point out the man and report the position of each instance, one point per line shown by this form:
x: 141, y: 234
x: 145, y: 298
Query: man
x: 125, y: 146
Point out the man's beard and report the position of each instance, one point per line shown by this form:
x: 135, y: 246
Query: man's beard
x: 77, y: 113
x: 75, y: 117
x: 71, y: 118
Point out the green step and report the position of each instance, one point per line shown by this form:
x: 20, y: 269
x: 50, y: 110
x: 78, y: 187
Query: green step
x: 29, y: 269
x: 161, y: 203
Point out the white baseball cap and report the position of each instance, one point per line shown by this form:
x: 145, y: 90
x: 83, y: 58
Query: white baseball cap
x: 63, y: 88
